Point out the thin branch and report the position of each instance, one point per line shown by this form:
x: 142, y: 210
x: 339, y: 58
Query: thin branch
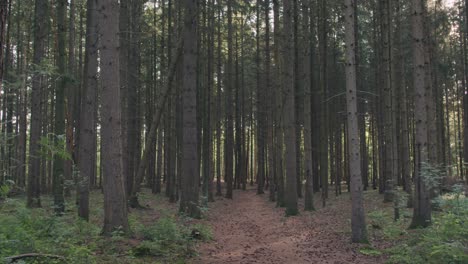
x: 32, y: 255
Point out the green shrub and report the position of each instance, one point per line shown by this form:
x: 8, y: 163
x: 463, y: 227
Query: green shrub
x: 445, y: 241
x: 28, y: 231
x: 165, y: 231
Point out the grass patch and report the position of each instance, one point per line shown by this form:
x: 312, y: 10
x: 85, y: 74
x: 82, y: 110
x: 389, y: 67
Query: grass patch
x: 369, y: 251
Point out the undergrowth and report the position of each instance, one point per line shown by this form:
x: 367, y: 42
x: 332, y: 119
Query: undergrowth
x: 445, y: 241
x: 166, y: 239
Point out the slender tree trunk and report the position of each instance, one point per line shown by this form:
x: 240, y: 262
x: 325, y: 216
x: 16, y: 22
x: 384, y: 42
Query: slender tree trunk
x: 324, y: 111
x: 3, y: 23
x: 306, y: 79
x: 387, y: 100
x: 87, y: 135
x: 229, y: 143
x: 219, y: 78
x: 279, y: 169
x: 299, y: 96
x: 23, y: 105
x: 70, y: 95
x: 260, y: 110
x: 58, y: 177
x: 269, y: 102
x: 124, y: 51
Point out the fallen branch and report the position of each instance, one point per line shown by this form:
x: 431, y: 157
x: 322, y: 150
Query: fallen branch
x: 32, y: 255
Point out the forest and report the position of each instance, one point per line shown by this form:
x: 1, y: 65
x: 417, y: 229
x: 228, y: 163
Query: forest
x: 234, y: 131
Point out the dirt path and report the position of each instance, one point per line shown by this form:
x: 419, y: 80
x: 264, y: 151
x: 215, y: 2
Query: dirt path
x: 249, y: 229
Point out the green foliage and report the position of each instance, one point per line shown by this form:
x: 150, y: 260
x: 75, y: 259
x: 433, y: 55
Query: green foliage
x: 378, y: 219
x: 369, y: 251
x: 25, y: 231
x: 445, y: 241
x: 165, y: 231
x: 383, y: 222
x: 4, y: 190
x: 170, y: 240
x: 54, y: 145
x: 431, y: 175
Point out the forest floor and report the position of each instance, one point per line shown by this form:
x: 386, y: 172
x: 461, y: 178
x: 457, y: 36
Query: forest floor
x: 250, y: 229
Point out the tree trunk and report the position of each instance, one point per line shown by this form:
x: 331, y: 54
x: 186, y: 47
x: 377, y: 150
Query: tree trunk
x: 115, y: 203
x: 279, y: 169
x: 190, y: 167
x: 40, y: 35
x: 71, y: 93
x: 289, y: 112
x: 358, y: 223
x: 260, y: 111
x: 59, y: 131
x: 219, y: 78
x: 306, y: 81
x: 229, y: 143
x: 323, y: 99
x: 87, y: 135
x: 422, y: 205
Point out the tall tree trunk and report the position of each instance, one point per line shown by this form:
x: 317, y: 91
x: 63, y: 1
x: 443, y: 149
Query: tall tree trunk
x: 3, y: 23
x: 115, y: 203
x: 229, y: 143
x: 279, y: 169
x: 58, y: 177
x: 465, y: 98
x: 306, y: 81
x: 87, y: 135
x: 132, y: 106
x: 190, y: 167
x: 40, y: 35
x: 402, y: 101
x: 289, y: 112
x: 260, y: 110
x: 358, y: 223
x: 269, y: 105
x: 323, y: 99
x: 422, y: 205
x: 71, y: 93
x: 23, y: 105
x: 219, y: 79
x: 124, y: 51
x: 387, y: 100
x: 299, y: 97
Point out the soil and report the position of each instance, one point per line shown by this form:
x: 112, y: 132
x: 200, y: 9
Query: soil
x: 250, y: 229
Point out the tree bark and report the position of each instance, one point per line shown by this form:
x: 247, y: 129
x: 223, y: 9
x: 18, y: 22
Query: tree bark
x: 358, y: 223
x: 229, y: 141
x: 306, y: 79
x: 190, y: 167
x: 87, y: 134
x: 115, y: 203
x: 289, y: 112
x: 422, y: 206
x: 59, y: 126
x: 40, y: 35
